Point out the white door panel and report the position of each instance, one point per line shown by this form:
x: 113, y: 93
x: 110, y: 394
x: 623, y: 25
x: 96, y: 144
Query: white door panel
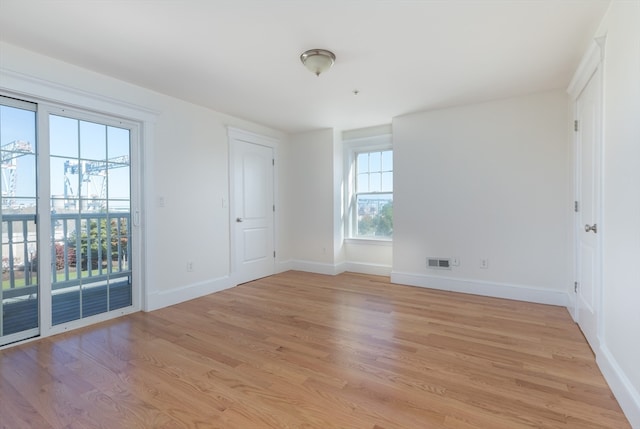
x: 588, y: 151
x: 252, y: 211
x: 256, y: 244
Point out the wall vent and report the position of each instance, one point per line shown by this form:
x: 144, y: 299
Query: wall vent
x: 439, y: 263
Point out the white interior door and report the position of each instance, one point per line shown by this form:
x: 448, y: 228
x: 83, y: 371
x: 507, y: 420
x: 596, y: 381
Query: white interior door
x: 588, y: 151
x: 252, y: 211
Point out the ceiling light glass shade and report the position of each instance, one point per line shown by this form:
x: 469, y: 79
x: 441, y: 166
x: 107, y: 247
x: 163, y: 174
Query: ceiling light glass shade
x: 317, y: 60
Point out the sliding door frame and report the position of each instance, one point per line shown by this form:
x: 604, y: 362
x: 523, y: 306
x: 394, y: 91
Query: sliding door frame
x: 139, y: 121
x: 44, y: 219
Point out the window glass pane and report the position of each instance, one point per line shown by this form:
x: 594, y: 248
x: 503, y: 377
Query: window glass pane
x: 362, y: 184
x: 387, y: 160
x: 374, y: 161
x: 93, y: 204
x: 63, y: 136
x: 375, y: 182
x: 387, y: 182
x: 117, y: 142
x: 65, y: 184
x: 19, y: 178
x: 93, y: 141
x: 118, y: 181
x: 18, y: 146
x: 374, y: 215
x: 363, y: 162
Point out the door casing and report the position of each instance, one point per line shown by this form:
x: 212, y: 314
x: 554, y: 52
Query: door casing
x: 590, y: 72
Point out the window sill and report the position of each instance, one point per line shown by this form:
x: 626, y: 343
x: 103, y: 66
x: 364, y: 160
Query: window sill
x: 370, y: 241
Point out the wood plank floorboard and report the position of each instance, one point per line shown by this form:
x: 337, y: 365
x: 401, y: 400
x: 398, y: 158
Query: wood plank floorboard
x: 300, y: 350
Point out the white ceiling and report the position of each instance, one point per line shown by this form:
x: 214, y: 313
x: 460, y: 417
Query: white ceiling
x: 241, y: 57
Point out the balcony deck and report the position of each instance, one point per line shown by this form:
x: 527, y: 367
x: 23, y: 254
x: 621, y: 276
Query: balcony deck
x: 22, y: 314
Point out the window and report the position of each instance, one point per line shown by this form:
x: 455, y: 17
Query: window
x: 370, y: 198
x: 374, y: 194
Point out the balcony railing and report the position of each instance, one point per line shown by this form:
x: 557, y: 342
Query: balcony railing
x: 86, y: 249
x: 19, y: 275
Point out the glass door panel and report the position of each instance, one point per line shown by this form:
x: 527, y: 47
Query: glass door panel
x: 19, y: 294
x: 90, y: 218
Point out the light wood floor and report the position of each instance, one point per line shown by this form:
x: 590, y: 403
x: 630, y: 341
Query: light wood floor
x: 300, y: 350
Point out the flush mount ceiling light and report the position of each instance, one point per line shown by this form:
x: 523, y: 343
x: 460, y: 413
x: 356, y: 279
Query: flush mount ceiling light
x: 317, y: 60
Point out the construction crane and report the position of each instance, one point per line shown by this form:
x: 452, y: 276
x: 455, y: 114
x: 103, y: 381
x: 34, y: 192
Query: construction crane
x: 88, y: 172
x: 9, y: 163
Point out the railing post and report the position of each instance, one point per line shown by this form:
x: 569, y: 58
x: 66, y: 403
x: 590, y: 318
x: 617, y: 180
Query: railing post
x: 12, y: 275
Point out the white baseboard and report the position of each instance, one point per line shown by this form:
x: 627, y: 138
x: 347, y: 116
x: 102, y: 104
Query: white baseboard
x: 364, y: 268
x: 481, y: 287
x: 627, y: 395
x: 571, y: 306
x: 282, y: 266
x: 157, y: 300
x: 318, y: 267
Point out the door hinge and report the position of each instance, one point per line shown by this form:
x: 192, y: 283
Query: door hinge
x: 274, y: 253
x: 575, y: 206
x: 575, y: 287
x: 575, y: 125
x: 274, y: 207
x: 273, y: 161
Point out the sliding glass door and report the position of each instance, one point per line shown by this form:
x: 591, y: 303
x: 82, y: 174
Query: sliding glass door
x: 19, y: 295
x: 73, y: 189
x: 90, y: 218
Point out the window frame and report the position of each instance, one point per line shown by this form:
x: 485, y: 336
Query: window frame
x: 353, y: 147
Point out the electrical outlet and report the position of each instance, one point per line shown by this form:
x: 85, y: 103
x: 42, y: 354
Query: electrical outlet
x: 189, y: 266
x: 484, y: 263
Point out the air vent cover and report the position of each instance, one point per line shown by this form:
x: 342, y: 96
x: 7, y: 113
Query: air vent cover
x: 439, y: 263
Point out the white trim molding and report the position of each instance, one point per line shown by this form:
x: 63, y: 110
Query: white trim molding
x: 160, y: 299
x: 318, y: 267
x: 335, y: 269
x: 625, y: 392
x: 484, y: 288
x: 590, y: 62
x: 25, y: 85
x: 368, y: 268
x: 250, y: 137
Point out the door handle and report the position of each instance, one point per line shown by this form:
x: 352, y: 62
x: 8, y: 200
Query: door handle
x: 239, y: 219
x: 594, y: 228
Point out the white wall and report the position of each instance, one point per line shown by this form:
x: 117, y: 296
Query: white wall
x: 339, y: 189
x: 311, y: 190
x: 185, y: 160
x: 370, y: 257
x: 485, y: 181
x: 619, y: 354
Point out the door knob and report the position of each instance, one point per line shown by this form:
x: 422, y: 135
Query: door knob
x: 239, y: 219
x: 588, y: 228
